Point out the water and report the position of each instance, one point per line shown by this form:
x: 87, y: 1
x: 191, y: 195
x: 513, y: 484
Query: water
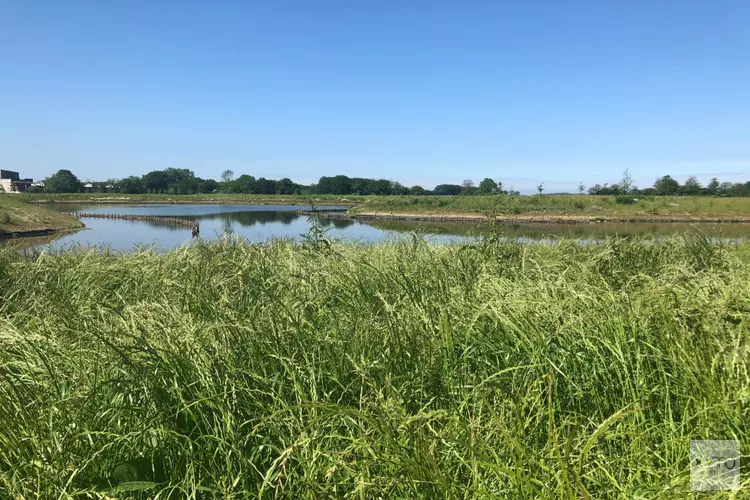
x: 260, y: 223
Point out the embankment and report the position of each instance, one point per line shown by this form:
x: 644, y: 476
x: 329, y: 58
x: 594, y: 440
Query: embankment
x: 23, y: 219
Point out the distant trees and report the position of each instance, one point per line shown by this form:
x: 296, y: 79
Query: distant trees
x: 398, y: 188
x: 63, y: 181
x: 243, y: 184
x: 626, y: 183
x: 666, y: 186
x: 625, y: 186
x: 447, y: 190
x: 343, y: 185
x: 183, y: 181
x: 340, y: 184
x: 487, y: 186
x: 691, y: 187
x: 265, y: 186
x: 209, y: 186
x: 467, y: 187
x: 247, y: 184
x: 129, y: 185
x: 156, y: 181
x: 286, y: 186
x: 713, y: 187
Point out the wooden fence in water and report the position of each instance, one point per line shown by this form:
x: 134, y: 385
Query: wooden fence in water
x: 194, y: 226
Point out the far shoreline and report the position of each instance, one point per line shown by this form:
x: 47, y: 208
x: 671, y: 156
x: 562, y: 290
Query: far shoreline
x: 526, y: 219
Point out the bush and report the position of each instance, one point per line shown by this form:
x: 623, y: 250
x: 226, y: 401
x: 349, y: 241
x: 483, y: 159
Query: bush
x: 625, y: 200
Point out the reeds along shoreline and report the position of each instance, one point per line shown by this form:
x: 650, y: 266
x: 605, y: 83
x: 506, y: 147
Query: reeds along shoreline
x: 170, y: 221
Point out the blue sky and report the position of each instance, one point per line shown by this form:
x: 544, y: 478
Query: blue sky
x: 423, y: 92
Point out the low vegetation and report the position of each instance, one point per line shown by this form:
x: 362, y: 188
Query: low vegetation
x: 19, y: 217
x: 592, y: 206
x: 399, y: 370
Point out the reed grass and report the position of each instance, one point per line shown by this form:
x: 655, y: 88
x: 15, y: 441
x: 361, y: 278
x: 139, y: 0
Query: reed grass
x: 397, y: 370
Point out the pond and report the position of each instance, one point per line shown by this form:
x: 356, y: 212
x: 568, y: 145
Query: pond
x: 263, y: 222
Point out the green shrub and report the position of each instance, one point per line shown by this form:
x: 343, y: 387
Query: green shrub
x: 625, y: 199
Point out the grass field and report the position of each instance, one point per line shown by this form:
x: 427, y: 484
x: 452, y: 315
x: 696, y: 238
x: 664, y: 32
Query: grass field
x: 401, y: 370
x: 569, y: 205
x: 18, y: 217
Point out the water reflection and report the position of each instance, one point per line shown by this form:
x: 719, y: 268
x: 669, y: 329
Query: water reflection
x: 251, y: 218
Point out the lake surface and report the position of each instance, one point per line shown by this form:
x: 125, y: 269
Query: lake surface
x: 264, y: 222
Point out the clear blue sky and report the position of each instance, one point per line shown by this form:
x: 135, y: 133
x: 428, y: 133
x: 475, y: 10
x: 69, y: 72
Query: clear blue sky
x: 412, y: 90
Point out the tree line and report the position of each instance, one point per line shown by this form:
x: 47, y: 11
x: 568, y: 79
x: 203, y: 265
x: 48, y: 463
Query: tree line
x: 668, y: 186
x: 344, y: 185
x: 170, y: 181
x: 183, y: 181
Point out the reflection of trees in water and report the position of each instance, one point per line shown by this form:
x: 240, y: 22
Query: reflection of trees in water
x: 335, y: 223
x: 249, y: 218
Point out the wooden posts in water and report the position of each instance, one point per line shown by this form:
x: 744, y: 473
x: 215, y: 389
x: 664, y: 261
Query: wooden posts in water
x: 194, y: 226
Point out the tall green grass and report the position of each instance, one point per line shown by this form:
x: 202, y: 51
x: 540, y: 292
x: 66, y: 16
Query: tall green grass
x: 401, y: 370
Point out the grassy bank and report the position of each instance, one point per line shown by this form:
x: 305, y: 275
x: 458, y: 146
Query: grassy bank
x: 404, y: 370
x: 581, y: 206
x: 217, y: 198
x: 19, y: 217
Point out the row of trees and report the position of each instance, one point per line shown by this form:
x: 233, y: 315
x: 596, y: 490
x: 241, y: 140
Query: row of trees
x: 668, y: 186
x: 172, y: 181
x: 343, y: 185
x: 184, y: 181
